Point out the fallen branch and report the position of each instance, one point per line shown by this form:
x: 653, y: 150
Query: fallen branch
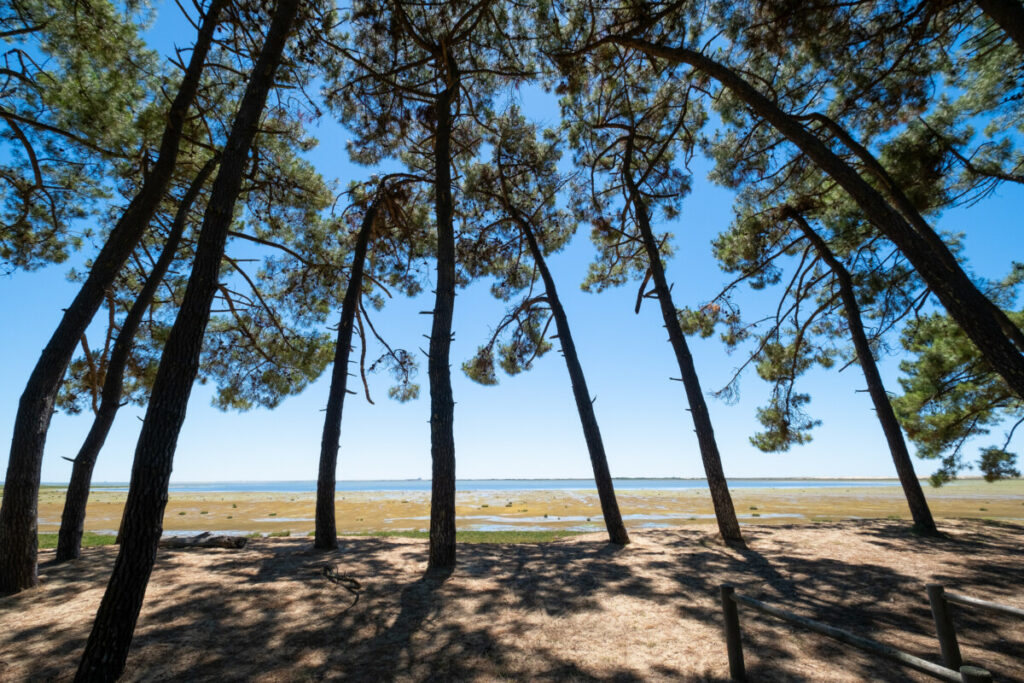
x: 204, y: 540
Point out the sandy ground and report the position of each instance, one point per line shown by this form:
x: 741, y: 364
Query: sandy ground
x: 525, y: 510
x: 577, y: 609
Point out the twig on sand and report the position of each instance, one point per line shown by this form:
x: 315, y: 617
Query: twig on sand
x: 346, y: 581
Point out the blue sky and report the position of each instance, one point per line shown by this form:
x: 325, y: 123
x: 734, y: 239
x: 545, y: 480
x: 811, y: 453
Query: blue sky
x: 526, y: 426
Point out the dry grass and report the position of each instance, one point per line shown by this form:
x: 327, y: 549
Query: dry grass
x: 575, y: 609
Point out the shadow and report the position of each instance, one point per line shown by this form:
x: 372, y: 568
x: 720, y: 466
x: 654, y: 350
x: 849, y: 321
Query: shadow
x: 574, y: 609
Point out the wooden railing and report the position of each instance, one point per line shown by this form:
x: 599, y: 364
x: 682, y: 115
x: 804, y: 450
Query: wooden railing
x: 734, y: 643
x: 940, y: 599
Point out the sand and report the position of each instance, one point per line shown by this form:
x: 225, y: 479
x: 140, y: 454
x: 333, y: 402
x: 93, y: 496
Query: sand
x: 535, y: 510
x: 575, y: 609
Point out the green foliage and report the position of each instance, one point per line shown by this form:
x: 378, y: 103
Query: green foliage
x: 996, y: 464
x: 514, y: 194
x: 951, y: 395
x: 75, y: 117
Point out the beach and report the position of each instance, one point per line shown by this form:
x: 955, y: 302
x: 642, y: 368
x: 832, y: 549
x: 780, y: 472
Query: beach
x: 576, y: 510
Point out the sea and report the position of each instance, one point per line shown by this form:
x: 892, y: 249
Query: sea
x: 397, y: 485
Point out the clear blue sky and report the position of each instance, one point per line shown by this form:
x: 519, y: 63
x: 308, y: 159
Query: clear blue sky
x: 527, y: 426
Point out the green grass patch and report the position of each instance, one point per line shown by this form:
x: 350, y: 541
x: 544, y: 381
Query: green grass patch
x: 89, y: 540
x: 476, y: 536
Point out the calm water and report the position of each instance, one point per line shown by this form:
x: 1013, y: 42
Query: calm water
x: 499, y: 485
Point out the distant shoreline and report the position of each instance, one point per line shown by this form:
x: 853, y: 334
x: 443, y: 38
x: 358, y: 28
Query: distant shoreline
x: 385, y: 486
x: 237, y: 482
x: 541, y: 507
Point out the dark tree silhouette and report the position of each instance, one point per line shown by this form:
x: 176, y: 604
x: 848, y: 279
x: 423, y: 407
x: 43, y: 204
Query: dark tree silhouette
x: 18, y: 512
x: 326, y: 530
x: 518, y: 191
x: 107, y: 648
x: 627, y: 133
x: 420, y: 74
x: 72, y: 523
x: 919, y: 510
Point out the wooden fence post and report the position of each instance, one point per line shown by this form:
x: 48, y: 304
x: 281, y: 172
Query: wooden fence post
x: 733, y: 642
x: 944, y: 627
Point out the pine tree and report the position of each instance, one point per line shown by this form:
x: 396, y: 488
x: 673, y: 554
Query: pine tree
x: 628, y: 123
x: 18, y: 523
x: 518, y: 191
x: 107, y: 648
x: 383, y: 212
x: 669, y: 33
x: 952, y: 395
x: 73, y: 518
x: 419, y: 74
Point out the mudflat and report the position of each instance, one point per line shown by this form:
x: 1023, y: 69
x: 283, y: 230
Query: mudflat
x: 576, y: 510
x: 574, y: 609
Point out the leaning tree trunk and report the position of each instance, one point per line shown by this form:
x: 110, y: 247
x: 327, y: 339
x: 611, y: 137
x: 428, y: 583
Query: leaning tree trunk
x: 442, y: 405
x: 107, y: 648
x: 72, y: 523
x: 919, y: 510
x: 591, y: 431
x: 725, y: 512
x: 326, y: 535
x: 989, y: 328
x: 1009, y: 14
x: 19, y: 510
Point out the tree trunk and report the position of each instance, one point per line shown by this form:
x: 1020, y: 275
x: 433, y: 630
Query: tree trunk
x: 107, y: 648
x: 725, y: 512
x: 1009, y: 14
x: 591, y: 431
x: 979, y: 318
x: 19, y: 510
x: 442, y: 405
x: 72, y: 524
x: 326, y: 537
x: 919, y: 510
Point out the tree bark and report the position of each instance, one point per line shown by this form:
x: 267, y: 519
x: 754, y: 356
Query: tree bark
x: 72, y: 524
x: 1009, y: 14
x: 108, y: 644
x: 919, y: 510
x: 591, y: 431
x: 442, y: 405
x: 979, y: 318
x: 725, y: 512
x: 19, y: 510
x: 326, y: 534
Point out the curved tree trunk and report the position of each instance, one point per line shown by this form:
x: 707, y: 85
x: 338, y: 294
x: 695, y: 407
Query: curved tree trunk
x: 725, y: 512
x: 997, y: 339
x: 19, y: 510
x: 591, y: 431
x: 442, y: 405
x: 326, y: 534
x: 107, y: 647
x: 72, y: 523
x: 1009, y: 14
x: 919, y: 510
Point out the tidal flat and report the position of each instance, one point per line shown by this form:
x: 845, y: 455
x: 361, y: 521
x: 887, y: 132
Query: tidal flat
x: 538, y: 510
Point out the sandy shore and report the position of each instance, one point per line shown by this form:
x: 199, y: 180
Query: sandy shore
x: 537, y: 510
x: 577, y: 609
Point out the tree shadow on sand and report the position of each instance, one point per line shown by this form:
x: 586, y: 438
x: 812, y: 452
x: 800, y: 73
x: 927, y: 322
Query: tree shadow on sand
x: 572, y: 610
